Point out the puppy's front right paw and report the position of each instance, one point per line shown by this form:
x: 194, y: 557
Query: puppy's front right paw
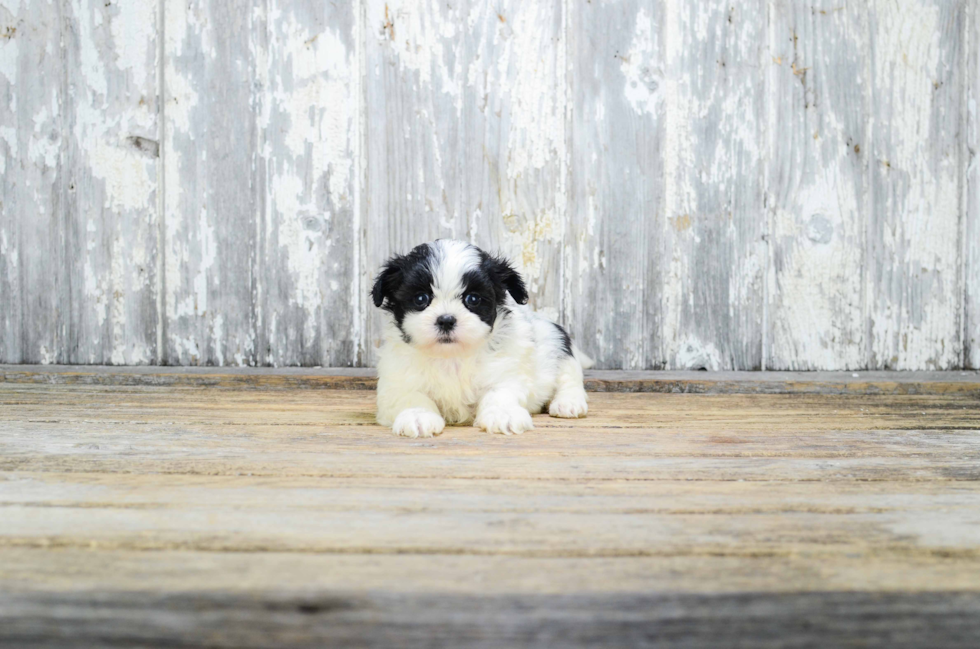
x: 418, y: 422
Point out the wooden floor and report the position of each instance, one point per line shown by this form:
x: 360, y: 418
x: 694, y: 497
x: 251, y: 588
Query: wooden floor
x: 243, y: 517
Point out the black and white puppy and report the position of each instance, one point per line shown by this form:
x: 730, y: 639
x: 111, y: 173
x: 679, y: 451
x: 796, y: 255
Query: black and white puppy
x: 460, y: 346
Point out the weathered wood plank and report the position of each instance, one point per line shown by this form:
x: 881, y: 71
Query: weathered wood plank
x: 534, y: 518
x: 915, y: 295
x: 112, y: 152
x: 627, y: 437
x: 33, y: 570
x: 413, y: 89
x: 465, y: 136
x: 844, y: 383
x: 971, y: 231
x: 261, y: 129
x: 304, y: 262
x: 34, y: 183
x: 214, y: 192
x: 364, y: 619
x: 614, y: 241
x: 715, y: 255
x: 512, y: 163
x: 148, y: 515
x: 820, y: 89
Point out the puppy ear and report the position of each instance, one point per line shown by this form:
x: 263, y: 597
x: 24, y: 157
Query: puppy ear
x: 504, y: 275
x: 387, y: 281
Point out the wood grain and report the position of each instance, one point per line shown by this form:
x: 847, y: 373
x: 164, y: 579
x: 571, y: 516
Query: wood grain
x: 304, y: 266
x: 148, y: 515
x: 617, y: 72
x: 34, y: 250
x: 261, y: 120
x: 413, y: 86
x: 113, y: 155
x: 780, y: 185
x: 915, y: 296
x: 465, y: 126
x: 714, y: 255
x: 513, y: 125
x: 355, y: 619
x: 675, y: 382
x: 213, y: 189
x: 971, y: 230
x: 820, y: 71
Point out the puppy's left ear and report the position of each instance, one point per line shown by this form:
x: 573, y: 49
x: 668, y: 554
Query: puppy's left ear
x: 503, y: 274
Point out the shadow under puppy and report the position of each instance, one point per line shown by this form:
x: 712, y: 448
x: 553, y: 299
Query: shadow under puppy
x: 460, y: 346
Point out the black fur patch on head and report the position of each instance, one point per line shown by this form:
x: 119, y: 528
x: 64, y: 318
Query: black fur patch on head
x: 566, y: 342
x: 505, y: 279
x: 490, y: 282
x: 401, y: 279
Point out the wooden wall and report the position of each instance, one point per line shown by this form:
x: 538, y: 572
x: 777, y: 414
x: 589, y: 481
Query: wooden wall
x: 763, y: 184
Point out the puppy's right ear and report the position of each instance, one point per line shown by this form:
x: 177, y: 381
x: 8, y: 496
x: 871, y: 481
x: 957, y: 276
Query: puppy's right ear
x: 387, y: 281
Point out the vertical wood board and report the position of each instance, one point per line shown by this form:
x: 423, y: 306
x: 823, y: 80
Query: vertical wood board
x: 971, y: 231
x: 614, y: 241
x: 308, y: 111
x: 715, y: 255
x: 412, y: 94
x: 34, y: 287
x: 465, y: 136
x: 513, y: 138
x: 818, y: 184
x: 915, y: 296
x: 213, y: 192
x: 112, y: 151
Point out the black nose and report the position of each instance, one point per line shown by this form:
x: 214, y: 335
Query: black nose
x: 446, y: 322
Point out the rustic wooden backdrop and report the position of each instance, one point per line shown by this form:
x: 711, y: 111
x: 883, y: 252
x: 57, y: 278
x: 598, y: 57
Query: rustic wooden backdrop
x: 686, y: 184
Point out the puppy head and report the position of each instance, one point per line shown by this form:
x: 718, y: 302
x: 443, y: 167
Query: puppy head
x: 445, y: 296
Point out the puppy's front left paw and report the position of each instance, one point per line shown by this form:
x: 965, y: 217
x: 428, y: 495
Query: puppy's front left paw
x: 418, y: 422
x: 507, y: 421
x: 569, y: 405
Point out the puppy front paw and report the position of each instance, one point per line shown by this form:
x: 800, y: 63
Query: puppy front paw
x: 569, y: 405
x: 418, y: 422
x: 507, y: 421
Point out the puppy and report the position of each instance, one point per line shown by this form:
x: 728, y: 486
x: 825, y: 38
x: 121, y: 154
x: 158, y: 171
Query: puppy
x: 460, y: 347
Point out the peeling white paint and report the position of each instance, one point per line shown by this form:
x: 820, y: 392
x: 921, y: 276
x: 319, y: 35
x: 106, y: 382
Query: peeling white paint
x: 642, y: 72
x: 9, y: 59
x: 134, y: 37
x: 472, y: 140
x: 693, y: 354
x: 916, y: 309
x: 417, y: 31
x: 129, y: 179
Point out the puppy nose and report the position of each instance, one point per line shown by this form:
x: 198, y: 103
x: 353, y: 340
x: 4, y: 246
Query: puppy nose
x: 446, y: 322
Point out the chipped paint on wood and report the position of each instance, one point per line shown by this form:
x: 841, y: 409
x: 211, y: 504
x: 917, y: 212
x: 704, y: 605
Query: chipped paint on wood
x: 613, y: 273
x: 971, y: 229
x: 33, y: 151
x: 465, y: 135
x: 413, y: 91
x: 714, y: 270
x: 212, y: 192
x: 307, y: 125
x: 818, y: 184
x: 513, y: 120
x: 111, y: 206
x: 915, y: 297
x: 630, y: 157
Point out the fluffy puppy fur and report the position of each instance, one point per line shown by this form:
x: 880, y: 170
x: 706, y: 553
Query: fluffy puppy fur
x: 460, y: 346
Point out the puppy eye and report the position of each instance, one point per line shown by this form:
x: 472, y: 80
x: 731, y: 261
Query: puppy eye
x: 471, y: 299
x: 422, y: 300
